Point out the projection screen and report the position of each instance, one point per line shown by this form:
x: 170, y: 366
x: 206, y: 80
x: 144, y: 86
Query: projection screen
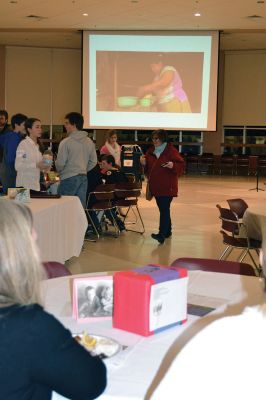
x: 150, y: 80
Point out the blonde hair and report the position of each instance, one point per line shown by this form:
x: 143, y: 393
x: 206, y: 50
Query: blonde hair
x: 20, y: 266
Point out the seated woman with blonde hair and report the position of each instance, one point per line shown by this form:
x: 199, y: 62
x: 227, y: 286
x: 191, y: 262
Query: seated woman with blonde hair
x: 37, y: 354
x: 111, y: 147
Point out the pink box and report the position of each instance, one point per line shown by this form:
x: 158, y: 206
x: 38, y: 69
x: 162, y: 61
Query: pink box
x: 150, y: 299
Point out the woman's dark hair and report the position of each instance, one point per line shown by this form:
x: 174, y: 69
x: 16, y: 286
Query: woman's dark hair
x: 161, y: 134
x: 28, y: 125
x: 75, y: 118
x: 157, y: 58
x: 110, y: 133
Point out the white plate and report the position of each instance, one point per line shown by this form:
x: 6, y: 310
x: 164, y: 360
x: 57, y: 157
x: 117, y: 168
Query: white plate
x: 105, y: 347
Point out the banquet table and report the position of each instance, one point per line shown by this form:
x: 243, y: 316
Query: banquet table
x: 60, y: 225
x: 135, y: 372
x: 255, y: 222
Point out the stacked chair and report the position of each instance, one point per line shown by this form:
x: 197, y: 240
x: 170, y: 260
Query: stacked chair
x: 238, y: 206
x: 235, y: 237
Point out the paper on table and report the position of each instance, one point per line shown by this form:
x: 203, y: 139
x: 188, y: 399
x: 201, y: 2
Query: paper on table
x: 168, y: 303
x: 118, y: 360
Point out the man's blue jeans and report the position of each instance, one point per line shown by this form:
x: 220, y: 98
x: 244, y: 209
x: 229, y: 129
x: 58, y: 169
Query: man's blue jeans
x: 74, y: 186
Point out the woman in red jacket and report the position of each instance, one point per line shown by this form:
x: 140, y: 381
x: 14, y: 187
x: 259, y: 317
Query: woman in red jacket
x: 163, y: 165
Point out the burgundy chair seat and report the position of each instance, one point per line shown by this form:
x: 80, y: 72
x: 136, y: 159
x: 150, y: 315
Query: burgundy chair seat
x: 205, y: 264
x: 55, y: 269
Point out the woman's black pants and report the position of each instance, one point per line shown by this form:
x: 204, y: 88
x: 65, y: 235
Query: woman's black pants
x: 163, y: 203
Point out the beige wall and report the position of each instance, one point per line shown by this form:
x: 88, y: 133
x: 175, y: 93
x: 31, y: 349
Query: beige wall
x: 66, y: 83
x: 241, y: 94
x: 212, y: 140
x: 43, y: 83
x: 245, y: 88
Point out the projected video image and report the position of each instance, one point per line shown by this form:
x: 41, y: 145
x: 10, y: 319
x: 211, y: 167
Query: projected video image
x: 150, y: 80
x: 137, y: 81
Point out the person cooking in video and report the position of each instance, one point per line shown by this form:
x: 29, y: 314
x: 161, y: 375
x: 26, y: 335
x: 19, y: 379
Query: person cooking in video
x: 167, y: 87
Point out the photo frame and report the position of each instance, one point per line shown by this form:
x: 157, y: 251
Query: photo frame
x: 92, y: 298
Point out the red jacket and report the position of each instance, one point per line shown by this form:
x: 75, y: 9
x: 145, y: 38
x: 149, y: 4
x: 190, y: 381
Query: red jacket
x: 163, y: 181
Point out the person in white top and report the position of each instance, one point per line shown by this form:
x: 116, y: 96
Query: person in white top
x: 112, y: 147
x: 29, y: 162
x: 226, y: 360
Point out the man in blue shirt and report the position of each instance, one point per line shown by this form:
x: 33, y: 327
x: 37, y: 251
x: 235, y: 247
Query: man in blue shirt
x: 9, y: 143
x: 4, y: 127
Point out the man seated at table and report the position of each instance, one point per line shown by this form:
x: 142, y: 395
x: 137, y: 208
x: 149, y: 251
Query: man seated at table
x: 110, y: 174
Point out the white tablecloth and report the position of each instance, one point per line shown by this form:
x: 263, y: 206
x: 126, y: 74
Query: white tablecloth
x: 60, y: 225
x: 137, y: 370
x: 255, y: 222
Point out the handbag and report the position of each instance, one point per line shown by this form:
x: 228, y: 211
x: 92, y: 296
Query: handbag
x: 149, y: 194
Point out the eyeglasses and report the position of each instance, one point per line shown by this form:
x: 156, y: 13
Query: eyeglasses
x: 155, y: 138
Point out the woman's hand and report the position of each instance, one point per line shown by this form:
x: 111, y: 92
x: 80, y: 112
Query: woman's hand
x: 163, y: 82
x: 142, y: 160
x: 169, y: 165
x: 142, y: 90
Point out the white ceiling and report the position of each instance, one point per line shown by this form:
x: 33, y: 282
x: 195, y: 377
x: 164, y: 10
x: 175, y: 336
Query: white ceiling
x: 57, y: 23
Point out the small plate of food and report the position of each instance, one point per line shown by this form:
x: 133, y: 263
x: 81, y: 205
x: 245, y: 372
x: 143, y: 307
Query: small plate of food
x: 100, y: 346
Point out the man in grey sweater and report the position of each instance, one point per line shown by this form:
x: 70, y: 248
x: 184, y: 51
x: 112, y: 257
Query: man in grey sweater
x: 76, y: 156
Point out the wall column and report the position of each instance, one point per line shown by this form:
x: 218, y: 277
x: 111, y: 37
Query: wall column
x: 212, y: 140
x: 2, y: 76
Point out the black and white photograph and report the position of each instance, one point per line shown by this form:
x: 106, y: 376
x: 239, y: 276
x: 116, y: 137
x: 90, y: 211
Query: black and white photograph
x: 94, y: 297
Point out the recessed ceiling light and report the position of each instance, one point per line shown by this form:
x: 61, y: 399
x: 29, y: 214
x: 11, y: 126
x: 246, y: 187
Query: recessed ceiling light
x: 85, y: 14
x: 197, y: 14
x: 13, y: 2
x: 255, y: 16
x: 36, y: 17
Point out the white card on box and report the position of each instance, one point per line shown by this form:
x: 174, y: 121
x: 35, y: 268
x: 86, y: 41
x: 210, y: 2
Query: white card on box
x: 168, y: 303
